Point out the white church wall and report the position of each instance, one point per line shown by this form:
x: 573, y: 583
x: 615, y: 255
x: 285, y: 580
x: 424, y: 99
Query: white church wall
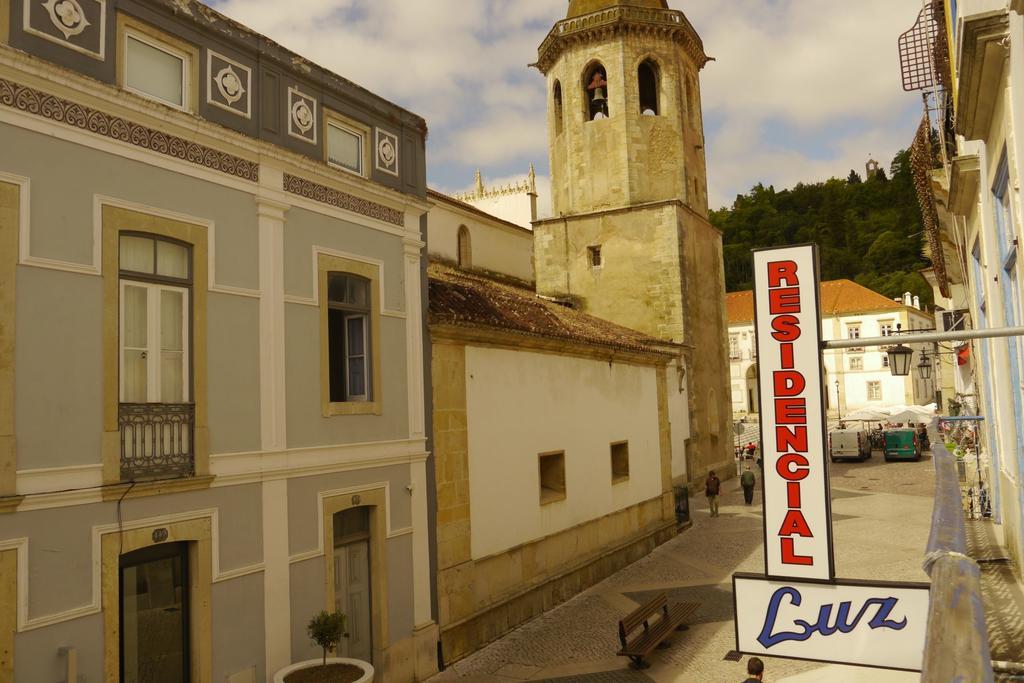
x: 514, y: 208
x: 521, y: 404
x: 494, y: 246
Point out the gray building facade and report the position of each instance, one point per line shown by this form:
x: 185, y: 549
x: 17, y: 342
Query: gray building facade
x: 212, y: 387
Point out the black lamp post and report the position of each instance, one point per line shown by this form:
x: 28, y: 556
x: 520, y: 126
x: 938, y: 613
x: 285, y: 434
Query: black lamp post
x: 899, y: 360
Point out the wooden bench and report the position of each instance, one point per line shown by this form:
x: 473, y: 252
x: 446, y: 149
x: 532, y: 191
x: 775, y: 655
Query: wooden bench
x: 654, y: 630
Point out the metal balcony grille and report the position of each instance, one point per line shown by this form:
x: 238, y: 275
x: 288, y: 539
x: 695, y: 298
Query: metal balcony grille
x: 916, y: 48
x: 156, y: 440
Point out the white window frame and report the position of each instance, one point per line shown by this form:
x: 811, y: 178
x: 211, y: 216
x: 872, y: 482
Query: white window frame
x: 153, y: 350
x: 870, y: 386
x: 882, y: 324
x: 186, y: 68
x: 856, y: 363
x: 365, y: 396
x: 362, y: 147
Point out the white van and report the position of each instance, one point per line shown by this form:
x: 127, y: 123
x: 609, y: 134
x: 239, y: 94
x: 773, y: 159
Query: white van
x: 852, y: 443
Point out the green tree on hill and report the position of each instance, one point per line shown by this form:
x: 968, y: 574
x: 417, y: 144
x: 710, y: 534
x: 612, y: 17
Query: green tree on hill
x: 869, y: 232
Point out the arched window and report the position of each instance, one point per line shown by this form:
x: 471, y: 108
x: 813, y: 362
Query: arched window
x: 558, y: 108
x: 595, y: 83
x: 465, y: 249
x: 647, y: 82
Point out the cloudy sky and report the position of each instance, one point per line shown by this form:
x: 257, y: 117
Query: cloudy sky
x: 800, y: 89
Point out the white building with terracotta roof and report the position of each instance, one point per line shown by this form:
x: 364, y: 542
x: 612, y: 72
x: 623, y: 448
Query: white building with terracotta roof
x: 854, y: 378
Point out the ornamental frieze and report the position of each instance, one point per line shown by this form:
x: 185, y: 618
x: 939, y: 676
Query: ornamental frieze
x: 57, y: 109
x: 342, y: 200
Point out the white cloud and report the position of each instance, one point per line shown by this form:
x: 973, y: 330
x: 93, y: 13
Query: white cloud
x: 823, y: 71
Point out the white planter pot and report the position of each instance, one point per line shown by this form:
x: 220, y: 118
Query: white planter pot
x: 367, y: 668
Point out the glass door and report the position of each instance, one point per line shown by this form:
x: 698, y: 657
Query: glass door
x: 154, y: 615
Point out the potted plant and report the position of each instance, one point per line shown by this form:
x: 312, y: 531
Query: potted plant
x: 327, y: 630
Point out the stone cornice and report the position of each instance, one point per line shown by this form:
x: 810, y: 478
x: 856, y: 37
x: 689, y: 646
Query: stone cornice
x: 57, y: 109
x: 965, y: 176
x: 342, y: 200
x: 983, y: 51
x: 602, y: 24
x: 16, y: 66
x: 478, y: 335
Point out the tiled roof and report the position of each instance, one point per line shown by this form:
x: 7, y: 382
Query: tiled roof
x: 838, y: 297
x: 467, y: 299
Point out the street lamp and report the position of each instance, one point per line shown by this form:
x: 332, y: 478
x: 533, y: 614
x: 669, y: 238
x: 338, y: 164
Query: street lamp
x: 899, y: 360
x: 839, y: 400
x: 924, y: 367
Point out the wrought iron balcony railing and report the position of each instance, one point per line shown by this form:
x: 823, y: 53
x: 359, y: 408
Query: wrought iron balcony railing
x: 157, y: 440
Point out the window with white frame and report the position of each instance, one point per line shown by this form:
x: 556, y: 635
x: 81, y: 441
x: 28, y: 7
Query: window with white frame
x: 885, y: 360
x: 734, y: 346
x: 885, y: 328
x: 345, y: 147
x: 155, y: 69
x: 348, y: 320
x: 874, y: 391
x: 155, y: 316
x: 856, y: 363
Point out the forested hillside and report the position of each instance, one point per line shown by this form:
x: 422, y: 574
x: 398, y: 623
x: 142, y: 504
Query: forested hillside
x: 868, y: 231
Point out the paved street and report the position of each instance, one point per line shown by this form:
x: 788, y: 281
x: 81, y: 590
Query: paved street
x: 882, y: 513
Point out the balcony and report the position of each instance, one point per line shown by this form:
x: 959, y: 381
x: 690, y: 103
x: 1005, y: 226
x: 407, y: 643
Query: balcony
x: 156, y: 440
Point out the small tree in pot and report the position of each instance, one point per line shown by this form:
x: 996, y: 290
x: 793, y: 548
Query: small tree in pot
x: 327, y: 630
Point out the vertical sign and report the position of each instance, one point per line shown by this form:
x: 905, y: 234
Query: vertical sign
x: 797, y: 505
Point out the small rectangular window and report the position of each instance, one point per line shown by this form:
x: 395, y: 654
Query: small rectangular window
x: 552, y: 477
x: 344, y: 148
x: 856, y: 363
x: 156, y: 70
x: 594, y: 254
x: 620, y: 462
x: 874, y: 391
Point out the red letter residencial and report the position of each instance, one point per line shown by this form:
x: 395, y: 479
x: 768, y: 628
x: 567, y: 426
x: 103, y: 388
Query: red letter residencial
x: 782, y: 270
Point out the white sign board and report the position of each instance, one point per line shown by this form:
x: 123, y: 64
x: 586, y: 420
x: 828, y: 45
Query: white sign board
x: 852, y: 622
x: 797, y: 506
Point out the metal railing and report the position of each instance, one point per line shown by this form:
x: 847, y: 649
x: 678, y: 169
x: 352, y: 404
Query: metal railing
x: 156, y: 440
x: 956, y: 645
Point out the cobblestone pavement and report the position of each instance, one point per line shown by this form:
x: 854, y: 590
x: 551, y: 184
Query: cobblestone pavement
x: 882, y: 515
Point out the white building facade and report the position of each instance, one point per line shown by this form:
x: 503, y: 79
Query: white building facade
x: 855, y: 378
x: 976, y: 230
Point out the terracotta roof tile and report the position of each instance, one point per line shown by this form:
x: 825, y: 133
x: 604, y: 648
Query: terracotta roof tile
x: 838, y: 297
x: 468, y: 299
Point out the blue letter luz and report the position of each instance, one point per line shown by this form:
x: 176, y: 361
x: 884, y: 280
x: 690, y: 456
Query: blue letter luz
x: 842, y: 623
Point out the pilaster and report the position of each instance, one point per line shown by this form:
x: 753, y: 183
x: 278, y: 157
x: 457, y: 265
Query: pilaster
x: 273, y: 432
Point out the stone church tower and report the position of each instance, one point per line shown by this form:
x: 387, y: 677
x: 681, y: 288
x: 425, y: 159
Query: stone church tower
x: 630, y: 239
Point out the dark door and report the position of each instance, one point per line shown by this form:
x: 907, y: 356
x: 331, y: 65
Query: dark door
x: 154, y: 615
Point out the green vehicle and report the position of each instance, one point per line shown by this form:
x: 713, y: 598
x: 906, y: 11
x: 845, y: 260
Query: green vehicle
x: 902, y: 444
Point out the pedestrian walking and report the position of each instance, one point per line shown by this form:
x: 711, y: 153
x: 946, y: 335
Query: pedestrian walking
x: 747, y: 481
x: 712, y: 486
x: 755, y: 670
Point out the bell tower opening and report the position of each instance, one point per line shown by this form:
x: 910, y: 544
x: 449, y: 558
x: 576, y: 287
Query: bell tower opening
x: 595, y: 83
x: 647, y: 82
